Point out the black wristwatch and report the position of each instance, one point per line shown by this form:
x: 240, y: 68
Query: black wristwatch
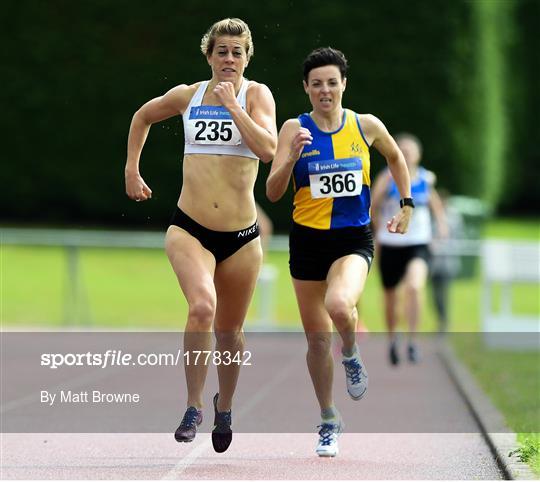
x: 406, y: 201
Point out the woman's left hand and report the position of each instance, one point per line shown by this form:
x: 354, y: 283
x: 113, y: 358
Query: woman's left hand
x: 225, y: 93
x: 400, y: 222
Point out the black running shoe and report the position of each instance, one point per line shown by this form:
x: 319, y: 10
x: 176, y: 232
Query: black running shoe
x: 222, y: 433
x: 393, y: 353
x: 413, y: 353
x: 187, y: 429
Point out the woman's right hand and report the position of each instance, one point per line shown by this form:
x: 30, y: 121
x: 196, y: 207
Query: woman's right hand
x: 302, y: 138
x: 136, y: 188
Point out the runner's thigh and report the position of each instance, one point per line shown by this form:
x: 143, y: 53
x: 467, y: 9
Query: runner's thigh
x: 235, y: 280
x: 416, y: 273
x: 193, y: 265
x: 310, y: 296
x: 346, y: 278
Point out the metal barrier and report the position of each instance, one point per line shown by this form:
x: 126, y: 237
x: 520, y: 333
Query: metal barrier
x: 72, y: 240
x: 507, y: 263
x: 515, y: 262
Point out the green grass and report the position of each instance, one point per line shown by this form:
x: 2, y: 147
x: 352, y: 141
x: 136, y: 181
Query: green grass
x: 511, y: 379
x: 516, y: 392
x: 507, y: 228
x: 529, y: 451
x: 137, y: 288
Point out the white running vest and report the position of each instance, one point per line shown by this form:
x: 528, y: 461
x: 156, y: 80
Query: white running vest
x: 210, y: 129
x: 420, y: 230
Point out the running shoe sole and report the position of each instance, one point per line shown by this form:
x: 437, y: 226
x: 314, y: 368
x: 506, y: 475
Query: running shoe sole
x: 220, y: 440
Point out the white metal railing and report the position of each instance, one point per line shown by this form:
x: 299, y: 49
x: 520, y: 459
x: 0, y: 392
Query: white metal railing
x: 72, y: 240
x: 505, y: 263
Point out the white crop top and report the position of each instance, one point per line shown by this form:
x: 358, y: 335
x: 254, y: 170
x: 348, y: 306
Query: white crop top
x: 210, y: 129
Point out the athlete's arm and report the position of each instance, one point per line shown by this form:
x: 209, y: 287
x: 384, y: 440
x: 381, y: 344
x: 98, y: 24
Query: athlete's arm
x: 172, y: 103
x: 258, y: 124
x: 437, y: 208
x: 380, y: 138
x: 291, y: 141
x: 380, y: 185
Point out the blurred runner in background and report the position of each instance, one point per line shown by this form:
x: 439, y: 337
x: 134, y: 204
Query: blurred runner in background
x: 406, y: 258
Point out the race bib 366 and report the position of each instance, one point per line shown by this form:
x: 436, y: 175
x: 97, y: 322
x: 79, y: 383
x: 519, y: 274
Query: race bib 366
x: 335, y: 177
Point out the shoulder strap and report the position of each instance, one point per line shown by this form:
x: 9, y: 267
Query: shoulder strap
x: 197, y: 98
x: 242, y: 93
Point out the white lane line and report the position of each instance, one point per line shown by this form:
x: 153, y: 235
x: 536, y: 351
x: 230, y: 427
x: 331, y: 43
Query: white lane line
x: 186, y: 461
x: 251, y: 403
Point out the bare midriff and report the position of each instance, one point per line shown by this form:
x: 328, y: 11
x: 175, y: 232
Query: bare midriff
x: 217, y: 191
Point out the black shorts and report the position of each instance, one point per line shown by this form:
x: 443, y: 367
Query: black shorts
x: 393, y: 261
x: 312, y: 251
x: 221, y: 244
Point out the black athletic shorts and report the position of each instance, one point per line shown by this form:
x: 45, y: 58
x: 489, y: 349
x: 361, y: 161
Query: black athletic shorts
x: 312, y: 251
x: 221, y: 244
x: 393, y: 261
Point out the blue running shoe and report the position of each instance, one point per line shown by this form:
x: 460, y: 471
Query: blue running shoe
x: 328, y: 439
x: 187, y: 429
x: 222, y: 433
x: 356, y: 375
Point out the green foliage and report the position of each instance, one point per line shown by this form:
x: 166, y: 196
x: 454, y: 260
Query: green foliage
x: 523, y: 94
x: 529, y: 450
x: 77, y: 71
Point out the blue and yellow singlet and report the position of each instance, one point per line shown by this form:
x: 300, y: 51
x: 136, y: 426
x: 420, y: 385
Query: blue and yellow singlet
x: 331, y: 178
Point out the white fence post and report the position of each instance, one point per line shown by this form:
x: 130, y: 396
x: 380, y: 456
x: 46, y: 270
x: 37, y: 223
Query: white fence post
x: 506, y: 263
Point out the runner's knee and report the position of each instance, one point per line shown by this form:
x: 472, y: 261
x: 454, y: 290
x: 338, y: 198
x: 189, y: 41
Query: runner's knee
x: 201, y: 313
x: 340, y: 310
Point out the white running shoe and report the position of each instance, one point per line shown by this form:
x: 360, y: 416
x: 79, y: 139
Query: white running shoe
x: 356, y: 375
x: 328, y: 439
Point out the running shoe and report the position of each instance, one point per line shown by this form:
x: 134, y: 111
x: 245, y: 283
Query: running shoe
x: 356, y: 376
x: 222, y: 433
x: 393, y: 353
x: 413, y: 353
x: 328, y: 439
x: 187, y: 429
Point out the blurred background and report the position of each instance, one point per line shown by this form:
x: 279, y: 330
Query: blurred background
x: 461, y: 75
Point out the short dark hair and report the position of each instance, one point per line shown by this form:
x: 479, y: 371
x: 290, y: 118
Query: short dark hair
x: 325, y: 56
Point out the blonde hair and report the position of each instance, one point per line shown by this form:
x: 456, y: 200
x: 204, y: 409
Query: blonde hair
x: 228, y: 26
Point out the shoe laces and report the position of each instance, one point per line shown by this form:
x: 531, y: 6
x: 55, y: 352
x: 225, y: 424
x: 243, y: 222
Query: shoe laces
x: 224, y: 419
x: 190, y: 418
x: 353, y: 370
x: 326, y: 433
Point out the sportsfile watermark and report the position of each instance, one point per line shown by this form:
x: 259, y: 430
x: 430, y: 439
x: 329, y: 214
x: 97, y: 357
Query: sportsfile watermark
x: 136, y: 382
x: 118, y: 358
